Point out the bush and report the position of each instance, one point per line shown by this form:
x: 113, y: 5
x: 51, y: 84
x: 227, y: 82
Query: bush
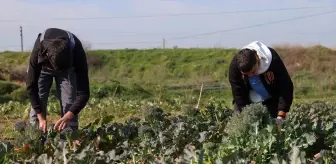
x: 114, y: 88
x: 239, y: 124
x: 94, y: 61
x: 105, y: 90
x: 136, y: 89
x: 189, y: 138
x: 18, y: 73
x: 19, y: 95
x: 7, y: 87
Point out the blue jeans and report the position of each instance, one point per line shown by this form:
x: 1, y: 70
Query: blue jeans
x: 65, y: 93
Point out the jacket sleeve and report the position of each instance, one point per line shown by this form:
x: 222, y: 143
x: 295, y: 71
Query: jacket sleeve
x: 238, y: 87
x: 286, y: 86
x: 33, y: 73
x: 82, y: 78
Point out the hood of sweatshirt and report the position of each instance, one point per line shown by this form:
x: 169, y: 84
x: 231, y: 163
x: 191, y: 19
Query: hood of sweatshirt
x: 264, y: 54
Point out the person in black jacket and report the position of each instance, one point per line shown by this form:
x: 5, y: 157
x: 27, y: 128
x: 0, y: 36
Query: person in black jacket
x: 257, y: 74
x: 57, y: 54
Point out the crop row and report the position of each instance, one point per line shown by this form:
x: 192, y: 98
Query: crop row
x: 213, y: 134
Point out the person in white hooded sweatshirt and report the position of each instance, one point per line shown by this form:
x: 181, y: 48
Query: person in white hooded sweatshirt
x: 257, y: 74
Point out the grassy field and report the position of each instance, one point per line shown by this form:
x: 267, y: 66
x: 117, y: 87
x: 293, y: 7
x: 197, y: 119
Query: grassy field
x: 123, y: 80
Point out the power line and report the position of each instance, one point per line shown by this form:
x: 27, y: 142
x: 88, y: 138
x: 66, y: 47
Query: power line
x: 214, y: 32
x: 180, y: 14
x: 10, y: 46
x: 190, y: 14
x: 222, y: 31
x: 156, y: 33
x: 250, y: 26
x: 137, y: 42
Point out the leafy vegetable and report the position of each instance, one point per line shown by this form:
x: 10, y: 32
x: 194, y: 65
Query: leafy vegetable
x: 208, y: 135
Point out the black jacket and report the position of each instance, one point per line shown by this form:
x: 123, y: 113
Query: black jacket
x: 80, y: 68
x: 276, y: 81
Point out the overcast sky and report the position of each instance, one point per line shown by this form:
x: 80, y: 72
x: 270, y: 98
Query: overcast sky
x: 133, y: 32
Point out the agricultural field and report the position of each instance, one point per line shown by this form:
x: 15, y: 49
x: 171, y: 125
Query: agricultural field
x: 143, y: 109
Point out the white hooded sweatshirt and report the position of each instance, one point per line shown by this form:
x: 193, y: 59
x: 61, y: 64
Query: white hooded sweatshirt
x: 264, y: 54
x: 265, y: 57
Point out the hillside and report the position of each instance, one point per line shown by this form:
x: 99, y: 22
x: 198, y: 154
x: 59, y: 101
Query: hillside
x: 156, y: 69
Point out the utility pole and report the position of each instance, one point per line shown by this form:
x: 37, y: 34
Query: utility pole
x: 163, y: 43
x: 21, y: 34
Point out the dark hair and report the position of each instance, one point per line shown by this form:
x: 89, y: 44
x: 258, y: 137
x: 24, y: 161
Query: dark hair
x: 246, y: 59
x: 58, y: 53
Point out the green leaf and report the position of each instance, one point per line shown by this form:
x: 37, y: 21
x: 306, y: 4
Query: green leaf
x: 269, y: 128
x: 310, y: 138
x: 45, y: 159
x: 329, y: 126
x: 202, y: 136
x: 106, y: 119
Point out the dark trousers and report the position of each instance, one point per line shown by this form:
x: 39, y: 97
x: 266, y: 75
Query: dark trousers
x: 65, y: 92
x: 271, y: 104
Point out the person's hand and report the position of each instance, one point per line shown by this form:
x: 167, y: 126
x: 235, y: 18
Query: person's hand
x: 280, y: 120
x: 319, y: 154
x: 64, y: 121
x: 281, y: 117
x: 42, y: 122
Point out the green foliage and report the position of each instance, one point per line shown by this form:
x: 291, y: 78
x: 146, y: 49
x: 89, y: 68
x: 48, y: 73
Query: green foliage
x: 106, y: 89
x: 19, y: 95
x: 309, y: 129
x: 198, y: 135
x: 13, y: 92
x: 7, y: 87
x: 210, y: 135
x: 154, y: 69
x: 240, y: 123
x: 154, y: 66
x: 115, y: 89
x: 10, y: 106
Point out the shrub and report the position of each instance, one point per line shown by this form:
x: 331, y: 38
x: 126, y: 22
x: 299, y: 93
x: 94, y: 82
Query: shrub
x: 109, y: 89
x: 7, y: 87
x: 94, y: 61
x: 18, y: 73
x: 240, y: 124
x: 19, y: 94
